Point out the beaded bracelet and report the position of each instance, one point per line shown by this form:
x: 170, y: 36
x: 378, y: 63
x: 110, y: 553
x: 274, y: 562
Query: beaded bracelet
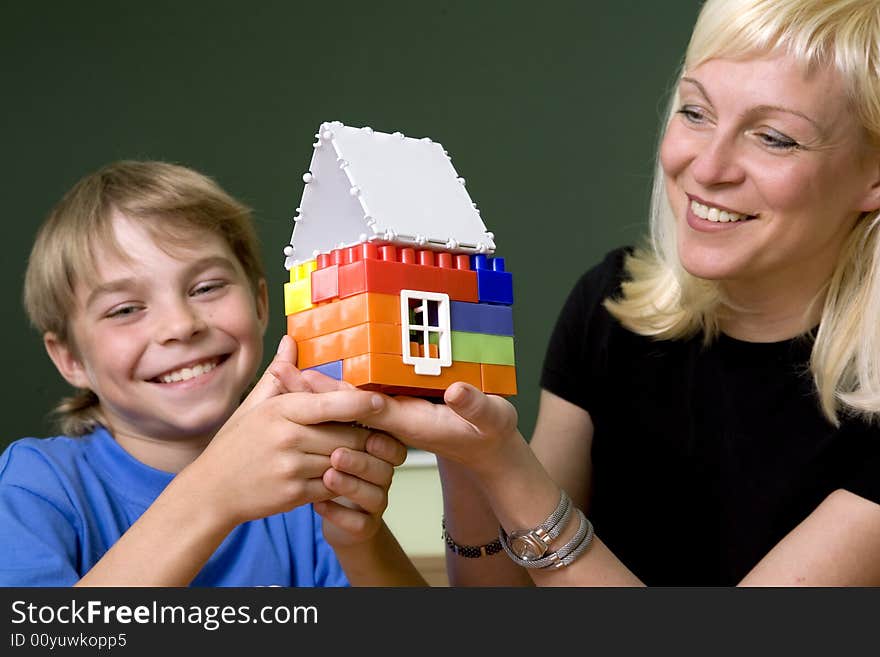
x: 470, y: 551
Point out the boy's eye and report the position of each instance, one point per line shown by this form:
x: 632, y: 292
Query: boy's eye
x: 122, y: 311
x: 205, y: 288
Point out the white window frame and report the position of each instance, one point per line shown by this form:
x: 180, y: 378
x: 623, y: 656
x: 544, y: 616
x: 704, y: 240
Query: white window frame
x: 429, y: 365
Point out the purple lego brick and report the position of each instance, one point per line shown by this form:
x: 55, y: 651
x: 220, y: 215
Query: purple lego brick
x: 481, y: 318
x: 332, y: 369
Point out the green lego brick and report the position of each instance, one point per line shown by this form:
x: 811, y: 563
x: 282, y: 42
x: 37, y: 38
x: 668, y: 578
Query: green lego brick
x: 482, y: 348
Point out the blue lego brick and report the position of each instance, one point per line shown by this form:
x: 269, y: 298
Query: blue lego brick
x: 494, y: 285
x: 332, y: 369
x: 481, y: 318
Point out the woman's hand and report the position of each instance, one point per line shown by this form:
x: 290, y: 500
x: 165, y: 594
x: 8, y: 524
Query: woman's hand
x: 471, y: 428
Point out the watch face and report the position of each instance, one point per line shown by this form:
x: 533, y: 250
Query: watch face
x: 526, y: 546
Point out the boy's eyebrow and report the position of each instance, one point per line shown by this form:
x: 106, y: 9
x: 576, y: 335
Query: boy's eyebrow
x: 125, y: 283
x: 759, y: 108
x: 109, y: 287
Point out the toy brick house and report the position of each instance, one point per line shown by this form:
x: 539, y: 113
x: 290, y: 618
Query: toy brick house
x: 393, y: 281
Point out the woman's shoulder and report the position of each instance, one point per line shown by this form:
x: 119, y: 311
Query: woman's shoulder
x: 606, y: 275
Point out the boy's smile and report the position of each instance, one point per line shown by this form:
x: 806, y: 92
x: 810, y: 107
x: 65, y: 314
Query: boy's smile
x: 168, y: 338
x: 189, y: 371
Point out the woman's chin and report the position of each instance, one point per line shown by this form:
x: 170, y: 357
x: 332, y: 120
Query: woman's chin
x: 709, y: 265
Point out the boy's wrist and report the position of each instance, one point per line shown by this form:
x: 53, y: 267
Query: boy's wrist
x: 213, y: 515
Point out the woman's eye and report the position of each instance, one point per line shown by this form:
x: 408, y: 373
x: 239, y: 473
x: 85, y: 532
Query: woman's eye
x: 777, y: 140
x: 692, y: 114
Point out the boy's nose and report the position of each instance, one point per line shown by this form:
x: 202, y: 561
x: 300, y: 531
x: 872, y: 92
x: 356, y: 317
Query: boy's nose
x: 180, y: 322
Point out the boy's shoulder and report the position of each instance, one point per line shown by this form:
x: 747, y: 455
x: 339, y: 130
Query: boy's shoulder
x: 28, y: 458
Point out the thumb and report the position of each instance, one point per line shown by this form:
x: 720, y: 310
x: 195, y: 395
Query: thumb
x: 281, y: 376
x: 489, y: 414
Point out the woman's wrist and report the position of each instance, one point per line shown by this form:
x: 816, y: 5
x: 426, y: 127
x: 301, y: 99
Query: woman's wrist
x: 508, y: 453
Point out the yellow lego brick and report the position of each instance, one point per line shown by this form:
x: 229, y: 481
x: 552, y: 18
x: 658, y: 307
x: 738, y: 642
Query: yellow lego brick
x: 298, y: 292
x: 297, y: 296
x: 303, y: 271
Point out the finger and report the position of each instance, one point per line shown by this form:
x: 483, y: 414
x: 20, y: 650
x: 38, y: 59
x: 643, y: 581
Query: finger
x: 299, y: 466
x: 386, y: 447
x: 487, y: 413
x: 283, y: 367
x: 281, y: 376
x: 334, y: 406
x: 309, y: 491
x: 363, y: 466
x: 350, y: 520
x: 369, y: 497
x: 417, y: 422
x: 324, y: 438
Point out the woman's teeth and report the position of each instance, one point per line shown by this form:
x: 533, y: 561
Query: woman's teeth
x: 187, y: 373
x: 716, y: 215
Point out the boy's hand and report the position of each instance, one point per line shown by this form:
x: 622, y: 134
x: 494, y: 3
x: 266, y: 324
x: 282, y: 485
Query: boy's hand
x: 272, y: 454
x: 470, y: 428
x: 359, y: 479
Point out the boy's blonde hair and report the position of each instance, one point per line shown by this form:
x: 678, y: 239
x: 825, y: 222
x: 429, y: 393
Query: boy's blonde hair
x: 169, y: 199
x: 662, y: 300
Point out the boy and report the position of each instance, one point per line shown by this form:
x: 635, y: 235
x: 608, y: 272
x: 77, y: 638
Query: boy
x: 146, y: 284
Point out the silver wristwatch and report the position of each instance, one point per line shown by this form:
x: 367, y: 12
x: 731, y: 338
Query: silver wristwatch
x: 533, y: 544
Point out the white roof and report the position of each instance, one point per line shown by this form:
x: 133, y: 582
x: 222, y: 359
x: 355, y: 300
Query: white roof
x: 366, y: 185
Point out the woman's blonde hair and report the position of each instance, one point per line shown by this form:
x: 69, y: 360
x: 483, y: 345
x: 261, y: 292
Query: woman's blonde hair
x: 662, y: 300
x: 170, y: 200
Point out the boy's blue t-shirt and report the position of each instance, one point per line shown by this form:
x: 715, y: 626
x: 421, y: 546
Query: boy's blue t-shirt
x: 65, y: 501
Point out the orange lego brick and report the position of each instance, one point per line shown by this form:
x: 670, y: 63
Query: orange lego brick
x: 496, y: 379
x: 344, y: 313
x: 353, y: 341
x: 389, y: 370
x: 418, y: 349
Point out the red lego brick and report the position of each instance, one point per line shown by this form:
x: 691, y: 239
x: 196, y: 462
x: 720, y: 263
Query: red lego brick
x: 368, y: 268
x: 325, y: 284
x: 404, y: 390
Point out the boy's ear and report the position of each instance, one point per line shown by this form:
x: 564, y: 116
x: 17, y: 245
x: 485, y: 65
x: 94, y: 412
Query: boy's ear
x: 66, y: 361
x: 263, y: 303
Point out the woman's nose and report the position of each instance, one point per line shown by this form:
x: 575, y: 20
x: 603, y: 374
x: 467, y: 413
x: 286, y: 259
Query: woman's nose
x: 717, y: 162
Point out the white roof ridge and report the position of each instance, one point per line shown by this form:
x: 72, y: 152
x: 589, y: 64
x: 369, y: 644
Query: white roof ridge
x: 365, y: 185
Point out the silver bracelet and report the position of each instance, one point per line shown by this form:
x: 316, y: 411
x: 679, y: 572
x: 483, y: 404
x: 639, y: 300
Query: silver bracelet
x: 532, y: 544
x: 564, y: 555
x: 578, y: 548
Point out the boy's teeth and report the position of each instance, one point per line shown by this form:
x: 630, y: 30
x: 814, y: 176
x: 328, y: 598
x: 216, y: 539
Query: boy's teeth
x: 187, y: 373
x: 714, y: 214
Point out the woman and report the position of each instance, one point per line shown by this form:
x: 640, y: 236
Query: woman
x: 707, y: 401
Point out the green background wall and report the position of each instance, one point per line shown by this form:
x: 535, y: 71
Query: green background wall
x: 550, y: 111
